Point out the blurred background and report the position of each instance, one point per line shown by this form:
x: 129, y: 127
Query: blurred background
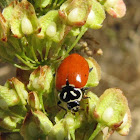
x: 119, y: 40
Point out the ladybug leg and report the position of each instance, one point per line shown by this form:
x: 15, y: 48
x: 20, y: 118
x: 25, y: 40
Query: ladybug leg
x: 58, y: 103
x: 90, y: 69
x: 83, y: 90
x: 85, y: 97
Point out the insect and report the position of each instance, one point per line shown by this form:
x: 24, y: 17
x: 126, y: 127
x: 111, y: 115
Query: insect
x: 71, y: 77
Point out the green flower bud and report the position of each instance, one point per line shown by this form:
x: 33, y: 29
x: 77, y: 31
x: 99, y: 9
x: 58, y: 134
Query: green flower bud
x: 23, y: 20
x: 115, y: 8
x: 111, y: 108
x: 26, y: 26
x: 75, y: 12
x: 8, y: 97
x: 52, y: 26
x: 43, y: 122
x: 95, y: 74
x: 42, y: 3
x: 7, y: 122
x: 19, y: 88
x: 51, y: 30
x: 96, y: 15
x: 40, y: 79
x: 74, y: 15
x: 89, y: 104
x: 33, y: 101
x: 35, y: 125
x: 73, y: 122
x: 29, y: 129
x: 58, y: 132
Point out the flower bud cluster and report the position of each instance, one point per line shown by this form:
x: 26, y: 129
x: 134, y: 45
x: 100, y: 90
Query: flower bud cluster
x: 35, y: 114
x: 33, y: 34
x: 13, y: 99
x: 40, y: 36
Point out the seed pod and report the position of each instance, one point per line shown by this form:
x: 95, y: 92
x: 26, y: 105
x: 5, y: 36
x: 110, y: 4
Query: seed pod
x: 75, y: 12
x: 115, y: 8
x: 40, y: 79
x: 111, y: 108
x: 51, y: 26
x: 95, y: 73
x: 19, y: 88
x: 96, y: 15
x: 23, y: 20
x: 26, y: 26
x: 89, y: 105
x: 33, y: 101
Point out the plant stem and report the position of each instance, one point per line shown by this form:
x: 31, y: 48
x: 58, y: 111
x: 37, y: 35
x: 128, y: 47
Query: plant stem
x: 33, y: 52
x: 41, y: 101
x: 23, y: 61
x: 96, y: 131
x: 22, y: 67
x: 83, y: 30
x: 48, y: 46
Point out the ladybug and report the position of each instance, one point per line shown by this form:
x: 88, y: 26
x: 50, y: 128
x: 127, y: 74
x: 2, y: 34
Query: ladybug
x: 71, y: 77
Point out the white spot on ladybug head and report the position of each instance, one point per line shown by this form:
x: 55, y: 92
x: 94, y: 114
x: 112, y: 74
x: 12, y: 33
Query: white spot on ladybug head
x: 74, y: 94
x: 78, y: 78
x: 65, y: 94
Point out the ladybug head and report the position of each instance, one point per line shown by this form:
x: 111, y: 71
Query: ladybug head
x: 72, y: 96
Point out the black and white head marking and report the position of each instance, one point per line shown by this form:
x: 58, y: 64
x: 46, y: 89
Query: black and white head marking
x: 72, y: 96
x: 69, y: 94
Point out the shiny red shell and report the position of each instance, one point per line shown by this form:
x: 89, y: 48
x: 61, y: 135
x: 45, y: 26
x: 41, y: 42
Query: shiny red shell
x: 73, y: 68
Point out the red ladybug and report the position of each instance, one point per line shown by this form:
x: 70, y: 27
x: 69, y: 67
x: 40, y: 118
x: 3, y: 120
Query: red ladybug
x: 71, y: 77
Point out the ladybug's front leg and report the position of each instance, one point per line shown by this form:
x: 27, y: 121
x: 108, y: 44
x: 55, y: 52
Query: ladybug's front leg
x: 58, y: 103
